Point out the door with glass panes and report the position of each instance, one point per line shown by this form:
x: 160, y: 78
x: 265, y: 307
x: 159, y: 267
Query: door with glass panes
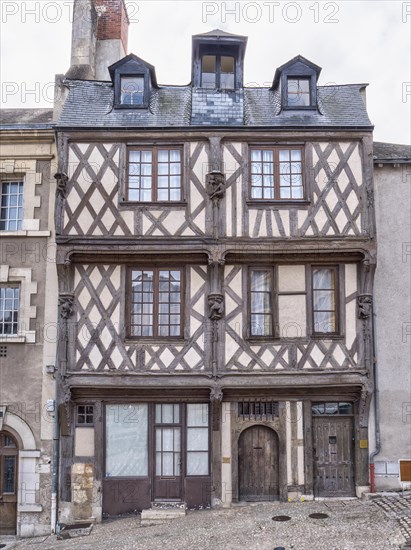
x: 167, y: 452
x: 8, y: 484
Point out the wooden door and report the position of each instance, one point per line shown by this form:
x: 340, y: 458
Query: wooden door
x: 8, y: 484
x: 258, y: 464
x: 168, y: 453
x: 333, y: 456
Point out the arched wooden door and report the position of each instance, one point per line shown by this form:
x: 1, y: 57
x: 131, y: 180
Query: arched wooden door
x: 8, y: 484
x: 258, y: 464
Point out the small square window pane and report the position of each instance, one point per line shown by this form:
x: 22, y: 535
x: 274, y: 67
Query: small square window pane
x: 197, y: 463
x: 175, y: 168
x: 197, y: 414
x: 297, y: 192
x: 268, y: 156
x: 146, y: 156
x: 162, y: 195
x: 175, y: 155
x: 295, y: 154
x: 134, y: 156
x: 197, y: 439
x: 284, y: 155
x: 256, y: 155
x: 285, y: 193
x: 175, y: 194
x: 163, y: 168
x: 256, y: 193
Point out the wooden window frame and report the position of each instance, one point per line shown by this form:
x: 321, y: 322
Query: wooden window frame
x: 155, y: 270
x: 298, y: 78
x: 12, y: 286
x: 117, y: 89
x: 275, y: 149
x: 274, y: 304
x: 5, y: 453
x: 338, y: 305
x: 154, y: 149
x: 7, y: 220
x: 85, y: 424
x: 218, y: 56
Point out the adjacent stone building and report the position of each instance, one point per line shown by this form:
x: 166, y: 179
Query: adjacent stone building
x: 28, y: 330
x: 392, y: 178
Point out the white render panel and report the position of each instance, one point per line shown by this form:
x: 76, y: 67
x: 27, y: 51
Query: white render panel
x: 292, y: 316
x: 291, y: 278
x: 84, y: 442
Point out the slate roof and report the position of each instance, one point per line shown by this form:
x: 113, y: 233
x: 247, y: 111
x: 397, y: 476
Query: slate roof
x: 90, y: 105
x: 391, y: 152
x: 26, y: 118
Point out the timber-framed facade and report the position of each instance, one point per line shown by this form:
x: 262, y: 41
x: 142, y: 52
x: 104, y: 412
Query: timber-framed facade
x: 201, y: 402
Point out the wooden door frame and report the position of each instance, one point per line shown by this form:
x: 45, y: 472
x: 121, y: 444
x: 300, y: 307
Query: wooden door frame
x: 352, y: 445
x: 152, y: 451
x: 277, y: 443
x: 278, y: 426
x: 15, y: 453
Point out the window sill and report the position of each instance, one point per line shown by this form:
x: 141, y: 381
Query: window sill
x: 154, y: 341
x: 284, y: 203
x: 12, y: 339
x: 28, y: 337
x: 151, y: 204
x: 25, y: 233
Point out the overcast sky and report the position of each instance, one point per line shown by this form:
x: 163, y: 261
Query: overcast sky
x: 353, y: 42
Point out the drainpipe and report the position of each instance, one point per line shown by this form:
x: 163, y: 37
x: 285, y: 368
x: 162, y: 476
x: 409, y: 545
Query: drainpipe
x: 376, y: 406
x: 56, y: 436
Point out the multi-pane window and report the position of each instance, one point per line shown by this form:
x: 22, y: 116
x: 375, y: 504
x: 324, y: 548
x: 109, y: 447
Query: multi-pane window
x: 339, y: 408
x: 85, y: 415
x: 324, y: 299
x: 261, y: 302
x: 257, y: 410
x: 276, y: 173
x: 11, y: 212
x: 9, y: 309
x: 197, y: 440
x: 218, y: 71
x: 154, y: 174
x: 132, y: 90
x: 155, y: 304
x: 298, y: 92
x: 168, y: 440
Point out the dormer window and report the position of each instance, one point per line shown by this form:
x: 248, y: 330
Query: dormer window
x: 218, y: 71
x: 298, y: 92
x: 132, y: 90
x: 134, y: 81
x: 218, y: 59
x: 296, y: 81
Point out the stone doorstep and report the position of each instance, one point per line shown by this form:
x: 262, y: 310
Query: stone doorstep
x: 71, y: 531
x: 156, y: 516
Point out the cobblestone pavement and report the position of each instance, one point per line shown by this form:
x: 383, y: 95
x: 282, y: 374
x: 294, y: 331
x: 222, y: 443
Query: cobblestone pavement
x: 399, y: 508
x: 351, y: 524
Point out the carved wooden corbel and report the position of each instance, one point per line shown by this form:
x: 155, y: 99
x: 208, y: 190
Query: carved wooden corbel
x: 215, y: 306
x: 215, y: 185
x: 216, y: 393
x: 66, y: 302
x: 364, y: 306
x: 62, y: 180
x: 364, y: 405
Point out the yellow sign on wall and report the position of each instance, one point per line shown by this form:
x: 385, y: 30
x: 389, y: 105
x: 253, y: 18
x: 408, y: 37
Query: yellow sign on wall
x: 226, y: 460
x: 363, y: 443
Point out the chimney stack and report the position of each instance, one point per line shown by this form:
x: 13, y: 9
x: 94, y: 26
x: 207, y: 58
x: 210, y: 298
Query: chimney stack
x: 99, y: 38
x: 112, y: 35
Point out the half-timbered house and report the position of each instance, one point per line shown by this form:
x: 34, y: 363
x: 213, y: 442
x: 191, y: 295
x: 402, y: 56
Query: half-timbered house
x: 216, y: 251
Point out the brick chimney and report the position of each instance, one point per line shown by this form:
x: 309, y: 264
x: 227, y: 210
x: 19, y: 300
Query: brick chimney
x: 112, y: 35
x: 99, y: 38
